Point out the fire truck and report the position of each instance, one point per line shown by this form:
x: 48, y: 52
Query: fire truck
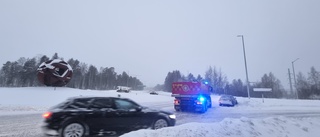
x: 194, y: 96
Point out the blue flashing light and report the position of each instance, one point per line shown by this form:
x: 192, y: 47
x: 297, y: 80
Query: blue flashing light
x: 202, y: 99
x: 206, y: 82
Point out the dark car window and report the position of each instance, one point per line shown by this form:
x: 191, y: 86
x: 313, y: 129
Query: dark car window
x: 80, y: 103
x: 102, y: 103
x: 125, y: 104
x: 62, y: 104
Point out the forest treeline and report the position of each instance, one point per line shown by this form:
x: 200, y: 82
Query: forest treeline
x: 305, y: 88
x: 23, y: 73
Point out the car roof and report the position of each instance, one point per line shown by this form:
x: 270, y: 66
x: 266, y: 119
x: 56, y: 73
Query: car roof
x: 226, y: 96
x: 93, y: 97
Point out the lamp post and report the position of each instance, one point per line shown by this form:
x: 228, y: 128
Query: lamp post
x: 245, y: 63
x: 294, y: 77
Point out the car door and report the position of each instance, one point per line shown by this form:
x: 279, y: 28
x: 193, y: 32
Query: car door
x: 129, y: 115
x: 81, y: 109
x: 103, y: 115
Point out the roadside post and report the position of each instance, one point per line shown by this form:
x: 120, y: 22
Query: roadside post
x: 262, y: 90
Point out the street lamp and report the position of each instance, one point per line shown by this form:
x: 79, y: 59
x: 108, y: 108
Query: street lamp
x: 245, y: 63
x: 294, y: 76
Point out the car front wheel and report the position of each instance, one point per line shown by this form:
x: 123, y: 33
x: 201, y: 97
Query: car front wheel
x: 160, y: 123
x: 73, y: 130
x: 204, y: 109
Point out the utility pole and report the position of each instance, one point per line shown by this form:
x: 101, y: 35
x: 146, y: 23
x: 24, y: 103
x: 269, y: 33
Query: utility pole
x: 294, y: 77
x: 291, y: 91
x: 245, y: 63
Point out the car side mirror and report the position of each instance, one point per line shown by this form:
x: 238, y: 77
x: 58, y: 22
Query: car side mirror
x: 138, y: 109
x: 210, y: 89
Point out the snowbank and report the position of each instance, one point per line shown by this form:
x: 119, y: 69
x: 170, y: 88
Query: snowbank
x: 243, y: 127
x: 39, y: 99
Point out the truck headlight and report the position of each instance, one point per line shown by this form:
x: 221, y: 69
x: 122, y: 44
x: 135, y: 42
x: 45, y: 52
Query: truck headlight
x: 172, y: 116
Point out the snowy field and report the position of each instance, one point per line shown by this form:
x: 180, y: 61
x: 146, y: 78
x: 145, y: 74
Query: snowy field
x: 35, y: 100
x: 251, y: 118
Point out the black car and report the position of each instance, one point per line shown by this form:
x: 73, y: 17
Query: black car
x: 153, y: 93
x: 89, y: 116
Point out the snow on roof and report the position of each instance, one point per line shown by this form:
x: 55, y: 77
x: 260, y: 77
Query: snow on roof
x: 50, y: 66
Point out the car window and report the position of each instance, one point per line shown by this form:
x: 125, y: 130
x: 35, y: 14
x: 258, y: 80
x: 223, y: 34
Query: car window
x: 102, y: 103
x: 225, y: 97
x: 125, y: 104
x: 80, y: 103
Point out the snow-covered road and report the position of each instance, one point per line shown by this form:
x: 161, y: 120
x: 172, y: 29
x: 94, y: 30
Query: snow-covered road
x: 29, y: 125
x: 24, y: 125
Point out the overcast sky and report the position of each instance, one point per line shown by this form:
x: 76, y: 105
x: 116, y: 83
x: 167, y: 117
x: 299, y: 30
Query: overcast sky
x: 150, y: 38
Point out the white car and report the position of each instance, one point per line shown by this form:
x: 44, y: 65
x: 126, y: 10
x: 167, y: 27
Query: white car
x: 227, y: 100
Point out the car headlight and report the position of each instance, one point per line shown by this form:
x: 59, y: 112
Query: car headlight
x: 172, y: 116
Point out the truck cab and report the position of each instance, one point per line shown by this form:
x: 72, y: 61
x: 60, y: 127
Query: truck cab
x: 194, y: 96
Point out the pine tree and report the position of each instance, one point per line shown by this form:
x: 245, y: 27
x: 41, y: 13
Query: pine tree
x: 171, y: 77
x: 270, y: 81
x: 55, y: 56
x: 237, y: 88
x: 303, y: 87
x: 199, y: 78
x: 191, y: 77
x: 216, y: 80
x: 30, y: 72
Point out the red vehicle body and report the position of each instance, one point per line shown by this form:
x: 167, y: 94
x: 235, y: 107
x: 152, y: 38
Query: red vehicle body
x: 191, y: 96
